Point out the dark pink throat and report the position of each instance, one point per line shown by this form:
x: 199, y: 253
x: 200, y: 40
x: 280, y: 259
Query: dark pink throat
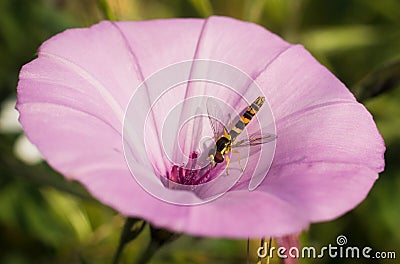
x: 190, y: 174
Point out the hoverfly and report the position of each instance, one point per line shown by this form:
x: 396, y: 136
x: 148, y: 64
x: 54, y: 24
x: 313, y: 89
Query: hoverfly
x: 225, y: 141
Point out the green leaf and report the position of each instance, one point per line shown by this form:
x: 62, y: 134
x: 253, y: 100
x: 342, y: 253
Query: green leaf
x: 381, y: 80
x: 106, y: 9
x: 204, y: 7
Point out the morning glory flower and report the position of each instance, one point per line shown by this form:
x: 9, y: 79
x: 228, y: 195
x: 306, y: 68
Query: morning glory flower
x: 73, y: 98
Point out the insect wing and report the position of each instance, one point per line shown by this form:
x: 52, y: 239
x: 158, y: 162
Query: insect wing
x: 215, y: 115
x: 254, y: 140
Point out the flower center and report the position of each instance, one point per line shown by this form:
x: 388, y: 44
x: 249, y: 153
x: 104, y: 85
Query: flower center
x: 191, y: 173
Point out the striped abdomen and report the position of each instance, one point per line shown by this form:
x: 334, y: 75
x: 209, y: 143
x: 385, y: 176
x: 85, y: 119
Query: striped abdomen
x: 246, y: 117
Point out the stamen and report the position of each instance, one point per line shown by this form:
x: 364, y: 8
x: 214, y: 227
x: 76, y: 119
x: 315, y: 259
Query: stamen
x: 190, y: 174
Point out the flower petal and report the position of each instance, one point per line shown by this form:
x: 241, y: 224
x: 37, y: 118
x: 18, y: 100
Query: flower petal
x: 68, y: 140
x: 321, y: 190
x: 234, y: 215
x: 328, y: 133
x: 295, y: 80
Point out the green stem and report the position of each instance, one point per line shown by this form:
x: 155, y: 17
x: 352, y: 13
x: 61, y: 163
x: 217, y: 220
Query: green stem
x: 159, y: 237
x: 248, y: 251
x: 118, y: 253
x: 128, y: 234
x: 149, y: 252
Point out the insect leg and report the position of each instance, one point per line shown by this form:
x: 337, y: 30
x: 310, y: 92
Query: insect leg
x: 227, y: 163
x: 238, y: 153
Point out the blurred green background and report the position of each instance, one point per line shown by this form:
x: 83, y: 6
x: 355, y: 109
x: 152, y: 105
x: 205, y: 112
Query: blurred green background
x: 46, y: 219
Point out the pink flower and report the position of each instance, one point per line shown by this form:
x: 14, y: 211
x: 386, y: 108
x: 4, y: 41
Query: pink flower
x: 72, y: 100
